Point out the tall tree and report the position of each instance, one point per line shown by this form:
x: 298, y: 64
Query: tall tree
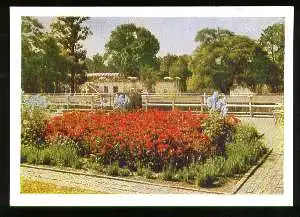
x: 228, y: 58
x: 209, y: 36
x: 43, y: 68
x: 149, y: 76
x: 130, y: 48
x: 70, y: 32
x: 179, y: 69
x: 272, y: 41
x: 166, y: 63
x: 96, y: 64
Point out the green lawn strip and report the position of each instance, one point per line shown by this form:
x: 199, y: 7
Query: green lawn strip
x: 40, y: 187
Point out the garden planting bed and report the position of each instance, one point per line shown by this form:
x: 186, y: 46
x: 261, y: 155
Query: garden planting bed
x: 172, y: 148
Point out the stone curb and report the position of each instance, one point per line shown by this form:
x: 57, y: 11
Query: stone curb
x: 250, y: 172
x: 236, y: 188
x: 120, y: 179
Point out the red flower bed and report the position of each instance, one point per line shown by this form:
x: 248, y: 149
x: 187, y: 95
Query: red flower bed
x: 153, y: 136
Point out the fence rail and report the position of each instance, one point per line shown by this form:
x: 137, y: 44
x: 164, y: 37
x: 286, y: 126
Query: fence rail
x: 237, y: 104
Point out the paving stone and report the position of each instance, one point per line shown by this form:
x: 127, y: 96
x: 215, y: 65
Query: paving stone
x: 268, y: 178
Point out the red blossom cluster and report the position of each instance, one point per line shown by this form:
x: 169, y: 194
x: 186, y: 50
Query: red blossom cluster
x: 139, y: 134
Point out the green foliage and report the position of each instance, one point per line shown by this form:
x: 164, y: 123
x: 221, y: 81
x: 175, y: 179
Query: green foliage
x: 189, y: 173
x: 272, y: 41
x: 217, y: 129
x: 64, y: 154
x: 130, y: 48
x: 44, y: 69
x: 69, y: 33
x: 179, y: 68
x: 246, y: 133
x: 149, y: 76
x: 115, y: 170
x: 209, y: 172
x: 33, y: 123
x: 169, y: 174
x: 244, y: 151
x: 96, y: 64
x: 135, y: 100
x: 165, y: 65
x: 225, y: 58
x: 197, y: 83
x: 124, y: 172
x: 144, y: 171
x: 210, y: 36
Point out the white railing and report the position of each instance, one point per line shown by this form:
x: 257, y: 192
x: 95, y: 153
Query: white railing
x: 237, y: 104
x: 244, y: 103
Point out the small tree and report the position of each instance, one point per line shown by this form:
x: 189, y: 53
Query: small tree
x: 69, y: 33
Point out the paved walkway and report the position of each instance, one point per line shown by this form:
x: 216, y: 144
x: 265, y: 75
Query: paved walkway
x: 97, y: 184
x: 268, y: 178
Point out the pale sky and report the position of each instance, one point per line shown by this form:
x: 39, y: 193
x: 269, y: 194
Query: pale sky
x: 175, y: 35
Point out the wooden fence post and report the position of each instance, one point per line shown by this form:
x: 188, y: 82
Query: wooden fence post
x: 202, y: 103
x: 68, y: 102
x: 250, y: 108
x: 173, y: 103
x: 146, y: 97
x: 92, y: 105
x: 110, y: 101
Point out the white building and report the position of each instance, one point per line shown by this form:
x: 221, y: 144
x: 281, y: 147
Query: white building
x: 113, y: 83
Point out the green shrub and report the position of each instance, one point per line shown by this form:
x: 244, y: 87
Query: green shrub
x: 244, y: 151
x: 144, y: 171
x: 210, y: 171
x: 140, y: 171
x: 188, y: 175
x: 135, y: 101
x: 241, y: 156
x: 124, y: 172
x: 58, y: 154
x: 217, y: 129
x: 113, y: 170
x: 167, y: 174
x: 33, y: 123
x: 246, y: 133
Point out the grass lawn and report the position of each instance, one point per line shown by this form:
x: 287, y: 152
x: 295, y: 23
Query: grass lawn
x: 40, y: 187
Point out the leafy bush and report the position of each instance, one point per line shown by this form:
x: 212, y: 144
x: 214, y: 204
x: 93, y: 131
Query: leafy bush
x: 58, y: 154
x: 210, y: 171
x: 124, y: 172
x: 33, y: 124
x: 244, y: 151
x: 169, y: 174
x: 188, y: 174
x: 218, y: 130
x: 113, y: 170
x: 135, y: 101
x: 144, y: 171
x: 246, y: 133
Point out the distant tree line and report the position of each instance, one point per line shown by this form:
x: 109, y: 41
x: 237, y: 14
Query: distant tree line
x: 54, y: 60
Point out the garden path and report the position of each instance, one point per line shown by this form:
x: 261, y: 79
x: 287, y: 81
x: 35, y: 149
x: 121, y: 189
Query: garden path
x: 268, y: 178
x: 98, y: 184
